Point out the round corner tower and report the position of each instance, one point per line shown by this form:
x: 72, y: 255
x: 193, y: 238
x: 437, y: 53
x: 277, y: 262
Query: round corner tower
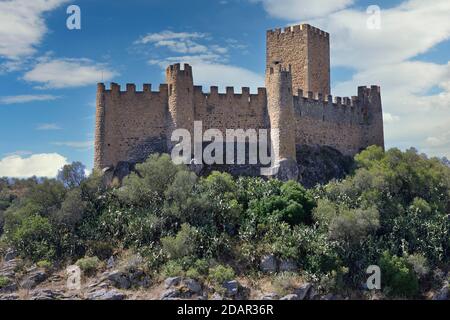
x: 181, y: 99
x: 280, y: 104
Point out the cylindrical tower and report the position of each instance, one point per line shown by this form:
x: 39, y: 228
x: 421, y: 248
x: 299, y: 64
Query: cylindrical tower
x: 181, y: 99
x: 100, y: 128
x: 280, y: 104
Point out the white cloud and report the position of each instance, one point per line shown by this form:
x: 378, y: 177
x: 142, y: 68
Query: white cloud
x: 407, y: 30
x: 169, y: 35
x: 390, y: 118
x: 40, y: 165
x: 22, y: 26
x: 302, y: 9
x: 79, y: 145
x: 48, y: 126
x: 208, y: 60
x: 66, y: 73
x: 27, y: 98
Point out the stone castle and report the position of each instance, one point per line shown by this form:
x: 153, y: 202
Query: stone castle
x: 131, y: 125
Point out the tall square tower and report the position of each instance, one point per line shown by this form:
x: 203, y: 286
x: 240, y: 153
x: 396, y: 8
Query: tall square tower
x: 307, y: 50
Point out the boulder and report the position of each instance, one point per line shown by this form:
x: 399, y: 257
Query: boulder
x: 33, y: 278
x: 105, y: 294
x: 286, y: 169
x: 110, y: 264
x: 46, y: 294
x: 172, y: 282
x: 442, y: 294
x: 269, y: 296
x: 9, y: 288
x: 170, y: 294
x: 290, y: 297
x: 268, y: 264
x: 232, y: 288
x: 216, y: 296
x: 119, y: 280
x: 288, y: 266
x: 9, y: 297
x: 193, y: 286
x: 304, y: 291
x: 11, y: 254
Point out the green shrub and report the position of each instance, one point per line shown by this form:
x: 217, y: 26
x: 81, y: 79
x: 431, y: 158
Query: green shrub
x: 45, y: 264
x: 172, y: 268
x: 221, y: 274
x: 182, y: 245
x: 33, y: 238
x: 193, y: 273
x: 398, y: 276
x: 4, y: 281
x: 294, y: 206
x: 89, y: 265
x: 284, y: 283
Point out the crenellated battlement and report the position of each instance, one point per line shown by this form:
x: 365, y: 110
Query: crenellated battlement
x: 297, y: 29
x: 130, y: 88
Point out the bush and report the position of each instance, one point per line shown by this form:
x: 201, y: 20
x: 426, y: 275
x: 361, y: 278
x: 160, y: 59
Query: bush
x: 221, y: 274
x: 284, y: 283
x: 4, y: 281
x: 182, y: 245
x: 147, y: 185
x: 294, y: 206
x: 398, y: 276
x: 44, y: 264
x: 89, y: 265
x: 33, y: 238
x: 172, y: 269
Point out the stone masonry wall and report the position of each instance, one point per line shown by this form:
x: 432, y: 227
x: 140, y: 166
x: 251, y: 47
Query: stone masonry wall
x: 134, y: 123
x: 307, y: 50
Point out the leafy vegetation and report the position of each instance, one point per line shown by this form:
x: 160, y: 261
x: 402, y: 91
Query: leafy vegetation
x: 392, y: 210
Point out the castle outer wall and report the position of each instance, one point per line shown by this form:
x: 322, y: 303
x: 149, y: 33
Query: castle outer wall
x: 132, y: 124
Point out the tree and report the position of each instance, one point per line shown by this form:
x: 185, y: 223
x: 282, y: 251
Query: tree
x: 72, y: 175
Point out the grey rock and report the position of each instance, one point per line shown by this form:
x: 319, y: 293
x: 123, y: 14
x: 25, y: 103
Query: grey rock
x: 110, y: 264
x: 290, y: 297
x: 46, y: 294
x: 268, y: 264
x: 193, y: 286
x: 304, y: 291
x: 9, y: 288
x: 288, y: 266
x: 33, y: 278
x: 170, y: 294
x: 172, y: 282
x: 104, y: 294
x: 442, y: 294
x: 11, y: 254
x: 270, y: 296
x: 119, y: 280
x: 232, y: 288
x: 216, y: 296
x: 8, y: 268
x: 286, y: 169
x: 328, y: 297
x: 9, y: 297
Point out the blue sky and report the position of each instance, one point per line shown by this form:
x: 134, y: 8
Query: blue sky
x: 48, y: 73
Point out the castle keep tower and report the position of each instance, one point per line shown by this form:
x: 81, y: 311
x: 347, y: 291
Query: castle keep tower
x: 307, y: 50
x: 280, y: 107
x: 181, y: 100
